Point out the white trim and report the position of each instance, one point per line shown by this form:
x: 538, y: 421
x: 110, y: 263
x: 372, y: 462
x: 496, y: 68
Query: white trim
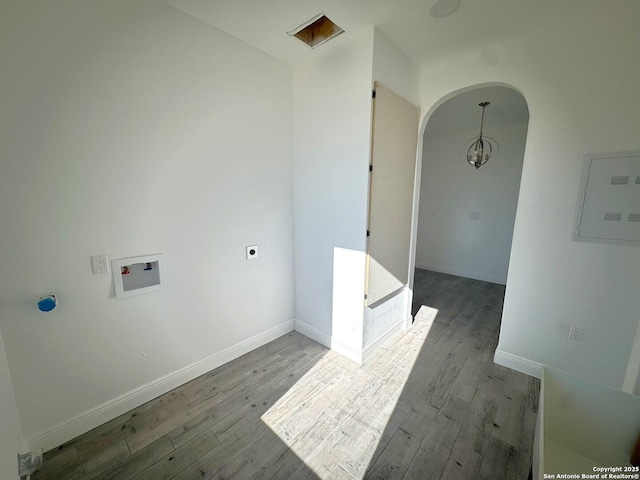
x: 357, y: 356
x: 459, y: 272
x: 328, y: 341
x: 312, y: 332
x: 520, y: 364
x: 382, y: 339
x: 631, y: 382
x: 537, y: 465
x: 408, y: 322
x: 71, y: 428
x: 346, y: 351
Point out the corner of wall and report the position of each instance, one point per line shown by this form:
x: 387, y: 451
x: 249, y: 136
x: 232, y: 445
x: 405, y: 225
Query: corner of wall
x: 394, y: 69
x: 85, y: 421
x: 11, y: 438
x: 519, y: 364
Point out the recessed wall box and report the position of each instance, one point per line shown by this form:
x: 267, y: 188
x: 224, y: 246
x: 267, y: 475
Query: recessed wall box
x: 608, y: 207
x: 137, y: 275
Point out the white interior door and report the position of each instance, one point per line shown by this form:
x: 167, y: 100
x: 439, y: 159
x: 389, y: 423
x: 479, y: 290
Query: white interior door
x: 393, y: 161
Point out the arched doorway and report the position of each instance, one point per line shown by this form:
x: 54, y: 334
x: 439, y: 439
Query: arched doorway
x: 463, y: 217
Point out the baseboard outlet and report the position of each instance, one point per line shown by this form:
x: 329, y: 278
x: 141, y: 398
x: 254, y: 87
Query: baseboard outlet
x: 82, y: 423
x: 520, y: 364
x: 458, y: 272
x: 370, y: 349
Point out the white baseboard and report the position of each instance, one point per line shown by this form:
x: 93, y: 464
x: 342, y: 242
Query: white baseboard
x: 357, y: 356
x: 312, y: 332
x: 408, y: 322
x: 328, y: 341
x: 382, y: 339
x: 346, y: 351
x: 460, y: 272
x: 65, y: 431
x: 520, y: 364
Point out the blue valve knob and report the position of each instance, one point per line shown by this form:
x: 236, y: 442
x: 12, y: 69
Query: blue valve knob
x: 47, y: 303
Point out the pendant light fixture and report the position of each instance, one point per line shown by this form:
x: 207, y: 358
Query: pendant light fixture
x: 482, y: 147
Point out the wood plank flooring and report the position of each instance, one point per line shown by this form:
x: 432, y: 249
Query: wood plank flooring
x: 430, y: 404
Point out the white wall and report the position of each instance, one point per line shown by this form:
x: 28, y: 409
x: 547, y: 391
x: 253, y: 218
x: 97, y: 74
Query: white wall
x: 449, y: 241
x: 129, y: 128
x: 10, y: 434
x: 331, y: 137
x: 580, y: 82
x: 393, y: 69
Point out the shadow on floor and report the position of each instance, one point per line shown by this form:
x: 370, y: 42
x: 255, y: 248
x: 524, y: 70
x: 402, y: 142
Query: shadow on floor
x: 459, y: 415
x: 430, y: 404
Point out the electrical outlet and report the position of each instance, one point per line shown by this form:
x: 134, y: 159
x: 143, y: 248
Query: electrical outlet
x: 99, y: 264
x: 576, y: 333
x: 252, y: 252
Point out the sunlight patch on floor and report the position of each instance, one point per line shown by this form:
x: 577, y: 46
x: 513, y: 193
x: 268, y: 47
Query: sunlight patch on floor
x: 338, y: 411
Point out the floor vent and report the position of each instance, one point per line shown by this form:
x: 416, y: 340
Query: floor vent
x: 316, y: 31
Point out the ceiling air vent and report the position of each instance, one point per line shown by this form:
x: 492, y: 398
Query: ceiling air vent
x: 633, y: 217
x: 316, y: 31
x: 612, y: 217
x: 638, y: 180
x: 620, y: 180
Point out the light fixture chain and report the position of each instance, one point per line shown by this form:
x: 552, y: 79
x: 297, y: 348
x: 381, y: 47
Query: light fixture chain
x: 483, y: 105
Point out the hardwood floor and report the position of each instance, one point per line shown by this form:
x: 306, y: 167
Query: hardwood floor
x: 431, y: 404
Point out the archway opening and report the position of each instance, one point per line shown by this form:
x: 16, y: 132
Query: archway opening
x: 465, y: 216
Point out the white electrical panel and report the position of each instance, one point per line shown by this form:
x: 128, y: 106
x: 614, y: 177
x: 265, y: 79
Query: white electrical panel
x: 608, y: 208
